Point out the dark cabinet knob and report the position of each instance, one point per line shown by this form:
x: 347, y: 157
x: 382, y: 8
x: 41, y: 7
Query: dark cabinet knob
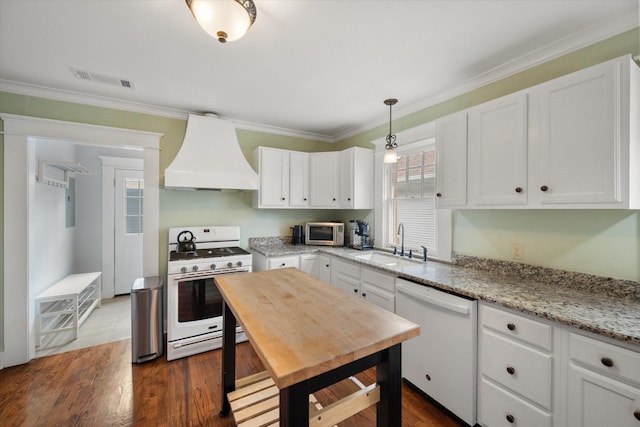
x: 544, y: 188
x: 511, y: 370
x: 518, y: 189
x: 428, y: 377
x: 327, y: 265
x: 364, y: 295
x: 305, y: 199
x: 355, y: 291
x: 438, y: 194
x: 283, y: 264
x: 637, y: 415
x: 283, y: 198
x: 348, y: 199
x: 334, y: 199
x: 511, y: 418
x: 511, y: 326
x: 607, y: 362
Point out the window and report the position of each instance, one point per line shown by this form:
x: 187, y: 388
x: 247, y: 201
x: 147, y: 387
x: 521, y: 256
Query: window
x: 411, y: 201
x: 134, y: 192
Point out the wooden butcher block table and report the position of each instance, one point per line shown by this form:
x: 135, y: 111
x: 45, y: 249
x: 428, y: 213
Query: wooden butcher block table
x: 309, y: 335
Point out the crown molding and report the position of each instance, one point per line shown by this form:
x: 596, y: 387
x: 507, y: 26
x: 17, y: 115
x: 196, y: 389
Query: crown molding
x: 558, y: 48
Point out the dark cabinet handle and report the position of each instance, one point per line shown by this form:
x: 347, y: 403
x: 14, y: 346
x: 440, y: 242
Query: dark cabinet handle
x: 511, y: 370
x: 327, y: 265
x: 283, y: 198
x: 334, y: 199
x: 607, y: 362
x: 511, y: 418
x: 305, y: 199
x: 283, y: 264
x: 355, y: 291
x: 438, y: 194
x: 348, y: 199
x: 518, y: 189
x: 637, y: 415
x: 364, y: 295
x: 544, y: 188
x: 511, y: 326
x: 428, y: 377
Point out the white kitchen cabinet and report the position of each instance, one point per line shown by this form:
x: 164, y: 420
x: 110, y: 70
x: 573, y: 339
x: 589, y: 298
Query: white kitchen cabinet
x: 260, y: 262
x: 298, y: 179
x: 585, y: 140
x: 324, y: 180
x: 441, y: 361
x: 322, y: 268
x: 604, y: 384
x: 356, y: 178
x: 516, y: 362
x: 377, y: 288
x: 451, y: 161
x: 498, y: 152
x: 273, y: 168
x: 307, y: 263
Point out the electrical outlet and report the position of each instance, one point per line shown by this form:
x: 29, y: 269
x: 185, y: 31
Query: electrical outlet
x: 517, y: 251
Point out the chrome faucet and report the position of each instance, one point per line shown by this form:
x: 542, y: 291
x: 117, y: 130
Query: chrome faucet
x: 401, y: 227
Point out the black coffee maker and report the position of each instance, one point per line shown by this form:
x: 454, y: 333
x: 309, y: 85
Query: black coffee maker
x: 298, y: 238
x: 363, y: 232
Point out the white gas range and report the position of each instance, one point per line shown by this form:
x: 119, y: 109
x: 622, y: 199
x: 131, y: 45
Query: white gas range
x: 194, y: 304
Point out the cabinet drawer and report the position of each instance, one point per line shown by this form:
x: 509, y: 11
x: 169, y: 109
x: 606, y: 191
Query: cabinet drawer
x: 346, y: 269
x: 605, y: 357
x: 380, y: 280
x: 496, y: 407
x: 518, y: 327
x: 520, y: 368
x: 282, y: 262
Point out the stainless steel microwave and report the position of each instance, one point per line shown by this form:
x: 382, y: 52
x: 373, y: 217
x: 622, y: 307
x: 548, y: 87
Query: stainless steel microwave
x: 324, y: 233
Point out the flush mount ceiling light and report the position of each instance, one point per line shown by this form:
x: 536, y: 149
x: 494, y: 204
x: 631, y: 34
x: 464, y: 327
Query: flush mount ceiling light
x: 226, y: 20
x: 390, y: 155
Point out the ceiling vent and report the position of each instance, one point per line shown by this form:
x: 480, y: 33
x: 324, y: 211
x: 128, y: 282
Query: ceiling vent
x: 101, y: 78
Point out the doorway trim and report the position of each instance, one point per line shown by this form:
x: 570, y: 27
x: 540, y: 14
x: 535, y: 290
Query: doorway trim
x: 19, y: 342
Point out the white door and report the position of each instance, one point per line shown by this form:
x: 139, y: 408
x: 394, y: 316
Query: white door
x: 128, y: 220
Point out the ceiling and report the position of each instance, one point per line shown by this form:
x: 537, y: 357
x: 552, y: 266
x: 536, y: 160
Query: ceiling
x: 313, y: 68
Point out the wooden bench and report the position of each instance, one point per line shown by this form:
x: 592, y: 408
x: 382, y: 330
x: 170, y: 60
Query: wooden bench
x: 256, y: 403
x: 65, y: 305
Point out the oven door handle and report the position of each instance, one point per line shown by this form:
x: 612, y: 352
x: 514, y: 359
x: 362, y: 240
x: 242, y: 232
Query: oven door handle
x: 198, y: 340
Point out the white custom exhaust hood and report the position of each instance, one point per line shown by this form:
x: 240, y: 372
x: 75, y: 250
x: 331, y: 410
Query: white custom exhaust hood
x: 210, y: 158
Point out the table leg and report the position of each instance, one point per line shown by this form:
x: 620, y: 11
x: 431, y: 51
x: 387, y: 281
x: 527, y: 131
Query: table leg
x: 294, y: 405
x: 228, y: 357
x: 389, y: 377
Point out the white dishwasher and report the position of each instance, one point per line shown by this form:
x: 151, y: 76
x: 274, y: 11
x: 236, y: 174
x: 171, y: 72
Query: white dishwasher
x: 441, y: 361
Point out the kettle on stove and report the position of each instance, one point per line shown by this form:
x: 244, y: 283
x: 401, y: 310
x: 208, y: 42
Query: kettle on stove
x: 186, y: 243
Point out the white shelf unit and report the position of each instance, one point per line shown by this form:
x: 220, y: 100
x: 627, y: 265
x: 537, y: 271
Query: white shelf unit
x: 66, y: 305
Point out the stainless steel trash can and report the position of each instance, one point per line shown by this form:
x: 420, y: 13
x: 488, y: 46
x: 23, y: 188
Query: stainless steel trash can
x: 147, y: 339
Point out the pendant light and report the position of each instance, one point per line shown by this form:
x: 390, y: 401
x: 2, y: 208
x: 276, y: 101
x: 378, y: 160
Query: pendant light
x: 390, y: 155
x: 226, y: 20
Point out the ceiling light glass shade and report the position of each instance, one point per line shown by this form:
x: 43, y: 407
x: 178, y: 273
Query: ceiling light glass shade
x: 226, y: 20
x: 390, y: 155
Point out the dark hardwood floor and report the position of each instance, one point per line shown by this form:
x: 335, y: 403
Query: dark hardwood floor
x: 99, y: 386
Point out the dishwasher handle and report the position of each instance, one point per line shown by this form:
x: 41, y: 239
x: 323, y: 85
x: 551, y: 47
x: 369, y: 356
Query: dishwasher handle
x: 430, y: 299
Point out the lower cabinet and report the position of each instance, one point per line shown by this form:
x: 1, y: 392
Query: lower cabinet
x: 261, y: 262
x: 376, y: 287
x: 603, y: 384
x: 322, y: 268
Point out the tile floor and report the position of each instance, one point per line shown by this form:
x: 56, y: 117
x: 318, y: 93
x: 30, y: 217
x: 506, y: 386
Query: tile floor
x: 108, y: 323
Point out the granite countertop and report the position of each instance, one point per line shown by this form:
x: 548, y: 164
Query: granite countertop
x: 601, y: 305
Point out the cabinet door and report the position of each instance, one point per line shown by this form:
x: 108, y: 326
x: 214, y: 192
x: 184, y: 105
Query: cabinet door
x: 274, y: 177
x: 345, y: 276
x: 307, y: 263
x: 378, y: 296
x: 498, y: 152
x: 577, y: 138
x: 451, y: 161
x: 596, y: 400
x: 346, y: 179
x: 322, y: 268
x: 324, y: 179
x: 298, y: 179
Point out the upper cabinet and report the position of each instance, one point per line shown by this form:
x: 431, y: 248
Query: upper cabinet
x: 298, y: 179
x: 498, y: 152
x: 451, y: 161
x: 356, y: 178
x: 584, y: 128
x: 572, y: 142
x: 324, y: 179
x: 273, y: 167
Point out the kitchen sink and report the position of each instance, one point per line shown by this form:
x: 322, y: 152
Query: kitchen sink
x: 386, y: 260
